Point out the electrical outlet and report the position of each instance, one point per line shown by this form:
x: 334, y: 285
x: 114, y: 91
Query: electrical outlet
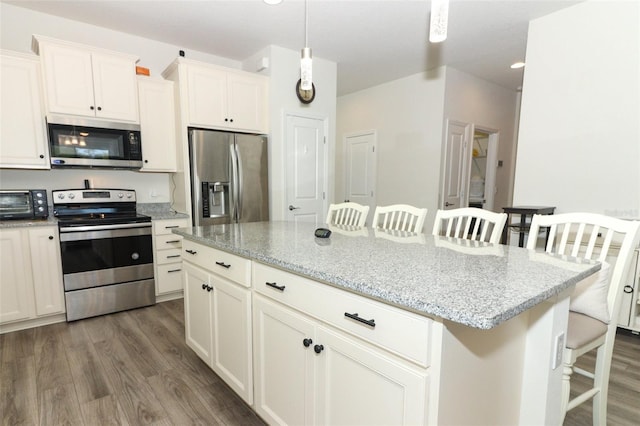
x: 558, y: 350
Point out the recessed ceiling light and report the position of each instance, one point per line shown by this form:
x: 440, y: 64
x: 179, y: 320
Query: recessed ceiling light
x: 517, y: 65
x: 272, y: 1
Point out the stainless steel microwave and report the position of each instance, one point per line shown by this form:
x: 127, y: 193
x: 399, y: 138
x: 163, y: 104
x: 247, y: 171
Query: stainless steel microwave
x: 81, y: 142
x: 23, y: 204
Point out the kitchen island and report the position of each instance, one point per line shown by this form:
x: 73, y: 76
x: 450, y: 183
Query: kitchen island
x: 401, y: 328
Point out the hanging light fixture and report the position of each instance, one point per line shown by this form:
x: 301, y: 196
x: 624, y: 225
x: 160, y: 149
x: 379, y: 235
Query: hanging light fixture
x: 305, y: 58
x: 439, y: 21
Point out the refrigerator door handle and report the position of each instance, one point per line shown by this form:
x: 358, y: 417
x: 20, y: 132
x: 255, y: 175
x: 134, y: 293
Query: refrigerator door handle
x: 235, y: 183
x: 239, y: 181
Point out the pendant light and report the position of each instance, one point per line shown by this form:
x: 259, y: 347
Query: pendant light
x: 439, y: 21
x: 305, y: 58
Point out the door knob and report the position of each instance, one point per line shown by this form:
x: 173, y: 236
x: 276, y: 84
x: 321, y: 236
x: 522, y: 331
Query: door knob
x: 447, y: 204
x: 293, y: 208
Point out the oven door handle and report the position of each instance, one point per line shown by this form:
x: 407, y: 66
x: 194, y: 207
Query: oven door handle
x: 105, y: 227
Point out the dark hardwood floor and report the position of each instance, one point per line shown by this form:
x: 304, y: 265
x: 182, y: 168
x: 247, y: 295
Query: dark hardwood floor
x: 134, y: 368
x: 130, y: 368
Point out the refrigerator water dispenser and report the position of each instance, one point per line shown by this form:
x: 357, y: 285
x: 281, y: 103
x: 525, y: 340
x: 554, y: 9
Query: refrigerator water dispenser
x: 215, y: 197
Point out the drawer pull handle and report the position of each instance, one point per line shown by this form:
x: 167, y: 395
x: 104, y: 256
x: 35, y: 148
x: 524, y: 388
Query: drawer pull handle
x: 318, y: 348
x: 171, y: 226
x: 307, y: 342
x: 628, y: 289
x: 370, y: 323
x: 172, y: 241
x: 276, y: 286
x: 191, y: 251
x: 172, y: 256
x: 224, y: 265
x: 174, y: 270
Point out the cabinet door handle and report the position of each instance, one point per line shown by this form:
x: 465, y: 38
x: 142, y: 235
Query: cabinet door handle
x: 207, y: 287
x: 172, y: 256
x: 92, y: 108
x: 174, y: 270
x: 204, y: 286
x: 99, y: 108
x: 51, y: 237
x: 307, y: 342
x: 172, y: 241
x: 191, y: 251
x: 628, y: 289
x: 224, y: 265
x: 276, y: 286
x: 318, y: 348
x: 370, y: 323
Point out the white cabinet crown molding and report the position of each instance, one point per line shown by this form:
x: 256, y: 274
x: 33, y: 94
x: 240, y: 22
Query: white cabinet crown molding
x: 36, y: 39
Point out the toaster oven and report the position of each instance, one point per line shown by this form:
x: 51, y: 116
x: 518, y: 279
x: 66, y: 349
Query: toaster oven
x: 23, y: 204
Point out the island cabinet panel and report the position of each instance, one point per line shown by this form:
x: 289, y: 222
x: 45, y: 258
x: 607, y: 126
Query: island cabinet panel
x: 198, y: 311
x: 227, y: 265
x: 218, y: 324
x: 401, y: 332
x: 284, y: 374
x: 330, y: 376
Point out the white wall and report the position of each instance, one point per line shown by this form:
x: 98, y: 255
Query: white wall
x: 17, y: 25
x: 407, y: 115
x: 486, y: 105
x: 579, y: 141
x: 284, y: 72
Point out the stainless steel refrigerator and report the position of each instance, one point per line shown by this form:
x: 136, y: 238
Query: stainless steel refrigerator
x: 229, y: 179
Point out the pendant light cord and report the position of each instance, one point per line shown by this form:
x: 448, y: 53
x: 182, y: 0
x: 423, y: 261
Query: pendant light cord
x: 306, y: 25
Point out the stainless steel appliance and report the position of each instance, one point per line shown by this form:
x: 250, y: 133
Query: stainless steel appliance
x: 107, y: 253
x: 23, y: 204
x: 229, y: 179
x: 82, y: 142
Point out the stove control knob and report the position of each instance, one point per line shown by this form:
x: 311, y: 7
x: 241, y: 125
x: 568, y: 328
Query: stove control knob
x: 72, y: 196
x: 40, y: 201
x: 40, y: 209
x: 61, y: 195
x: 129, y: 195
x: 120, y: 195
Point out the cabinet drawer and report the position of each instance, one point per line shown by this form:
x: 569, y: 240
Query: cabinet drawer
x: 169, y: 278
x: 168, y: 241
x: 227, y: 265
x: 168, y: 256
x: 162, y: 227
x: 401, y: 332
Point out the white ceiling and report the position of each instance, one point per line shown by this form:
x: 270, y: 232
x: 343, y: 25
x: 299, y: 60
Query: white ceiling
x: 371, y: 41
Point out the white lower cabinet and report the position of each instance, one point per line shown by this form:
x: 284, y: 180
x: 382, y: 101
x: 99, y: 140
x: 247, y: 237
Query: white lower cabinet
x: 31, y: 275
x: 166, y: 257
x: 309, y: 373
x: 218, y: 326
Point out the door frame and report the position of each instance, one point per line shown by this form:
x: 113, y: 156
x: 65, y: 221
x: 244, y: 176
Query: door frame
x: 492, y: 163
x: 325, y: 183
x: 374, y: 166
x: 444, y: 161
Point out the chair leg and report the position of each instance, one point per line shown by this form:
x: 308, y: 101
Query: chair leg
x: 601, y: 382
x: 567, y: 371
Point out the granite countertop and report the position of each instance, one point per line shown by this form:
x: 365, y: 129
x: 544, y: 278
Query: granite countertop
x: 157, y: 211
x: 475, y: 284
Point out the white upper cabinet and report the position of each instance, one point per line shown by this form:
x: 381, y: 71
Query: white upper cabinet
x: 90, y: 82
x: 220, y: 98
x: 23, y: 140
x: 157, y: 125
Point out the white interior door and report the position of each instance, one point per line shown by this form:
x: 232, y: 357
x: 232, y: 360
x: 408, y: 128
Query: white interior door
x: 306, y: 159
x: 360, y: 168
x: 454, y: 179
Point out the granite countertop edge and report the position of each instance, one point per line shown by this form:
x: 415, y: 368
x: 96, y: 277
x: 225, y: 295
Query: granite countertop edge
x: 383, y: 295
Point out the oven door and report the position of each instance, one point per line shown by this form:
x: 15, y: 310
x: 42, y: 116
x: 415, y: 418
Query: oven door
x: 100, y: 255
